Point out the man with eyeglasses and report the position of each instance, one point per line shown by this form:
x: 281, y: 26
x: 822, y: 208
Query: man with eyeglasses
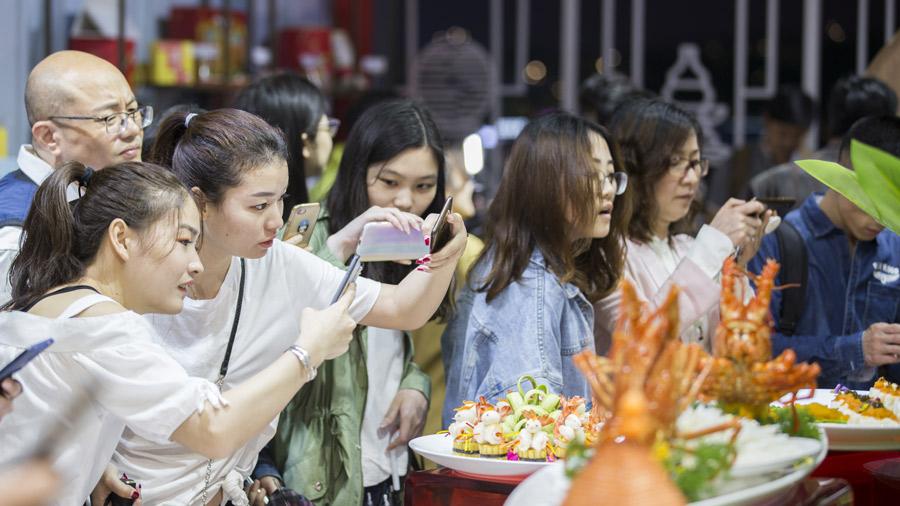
x: 80, y: 108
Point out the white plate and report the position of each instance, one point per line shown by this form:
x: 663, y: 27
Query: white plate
x: 548, y: 487
x: 792, y: 450
x: 438, y: 448
x: 850, y: 437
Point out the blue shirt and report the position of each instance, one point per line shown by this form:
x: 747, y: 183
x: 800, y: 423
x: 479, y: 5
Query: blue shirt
x: 534, y: 326
x: 846, y: 292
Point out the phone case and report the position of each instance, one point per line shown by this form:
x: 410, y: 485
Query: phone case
x: 301, y: 221
x: 382, y: 242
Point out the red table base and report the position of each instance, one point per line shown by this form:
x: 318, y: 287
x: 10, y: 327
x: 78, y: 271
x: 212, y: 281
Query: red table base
x: 867, y: 491
x: 443, y: 487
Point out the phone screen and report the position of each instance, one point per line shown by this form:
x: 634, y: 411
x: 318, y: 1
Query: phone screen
x: 22, y: 360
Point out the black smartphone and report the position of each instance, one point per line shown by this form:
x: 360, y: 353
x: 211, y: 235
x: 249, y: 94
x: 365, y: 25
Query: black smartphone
x: 350, y: 276
x: 22, y: 360
x: 441, y: 233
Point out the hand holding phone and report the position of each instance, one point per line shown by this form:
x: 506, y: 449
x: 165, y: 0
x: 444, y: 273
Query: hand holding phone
x: 442, y: 231
x: 302, y: 220
x: 350, y: 276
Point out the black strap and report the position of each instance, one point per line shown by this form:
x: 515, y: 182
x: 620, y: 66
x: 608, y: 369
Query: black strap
x: 65, y: 289
x: 794, y: 270
x: 234, y: 326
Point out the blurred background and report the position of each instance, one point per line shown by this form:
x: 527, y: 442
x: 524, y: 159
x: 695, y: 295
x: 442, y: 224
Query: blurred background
x: 483, y: 67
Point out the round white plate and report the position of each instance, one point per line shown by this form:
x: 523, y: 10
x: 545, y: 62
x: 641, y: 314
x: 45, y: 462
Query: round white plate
x: 438, y: 448
x: 850, y: 437
x: 790, y: 451
x: 549, y: 486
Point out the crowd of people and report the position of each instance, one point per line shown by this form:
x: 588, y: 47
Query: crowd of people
x: 200, y: 356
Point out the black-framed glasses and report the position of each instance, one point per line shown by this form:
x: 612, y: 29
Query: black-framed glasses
x: 117, y: 123
x: 618, y: 180
x: 679, y: 166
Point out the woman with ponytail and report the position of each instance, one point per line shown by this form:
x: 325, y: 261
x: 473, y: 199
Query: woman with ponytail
x: 234, y: 164
x: 85, y: 274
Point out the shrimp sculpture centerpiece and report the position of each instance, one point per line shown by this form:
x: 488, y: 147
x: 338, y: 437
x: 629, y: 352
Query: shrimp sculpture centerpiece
x: 647, y: 380
x: 744, y: 377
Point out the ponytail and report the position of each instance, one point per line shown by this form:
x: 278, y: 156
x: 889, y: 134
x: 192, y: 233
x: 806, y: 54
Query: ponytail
x: 61, y: 238
x: 212, y: 150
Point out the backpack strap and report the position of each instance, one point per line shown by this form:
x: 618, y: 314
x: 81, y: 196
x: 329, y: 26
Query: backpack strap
x: 794, y: 270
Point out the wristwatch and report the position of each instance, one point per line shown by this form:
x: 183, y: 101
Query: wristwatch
x: 303, y: 356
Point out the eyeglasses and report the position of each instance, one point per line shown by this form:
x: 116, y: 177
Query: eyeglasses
x: 618, y: 180
x: 679, y: 166
x: 117, y: 123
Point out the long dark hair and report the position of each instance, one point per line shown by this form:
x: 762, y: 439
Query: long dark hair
x: 61, y: 239
x: 294, y: 105
x: 648, y: 133
x: 549, y: 190
x: 214, y: 150
x: 382, y: 132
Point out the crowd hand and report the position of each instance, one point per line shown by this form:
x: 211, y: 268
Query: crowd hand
x: 296, y: 240
x: 740, y: 221
x: 748, y: 251
x: 406, y: 414
x: 881, y: 344
x: 450, y: 253
x: 260, y: 490
x: 326, y: 333
x: 111, y: 484
x: 30, y: 484
x: 343, y: 242
x: 9, y: 390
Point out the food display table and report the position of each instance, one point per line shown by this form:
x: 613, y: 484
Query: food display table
x: 444, y: 487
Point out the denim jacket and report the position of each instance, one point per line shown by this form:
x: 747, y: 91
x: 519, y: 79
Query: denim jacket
x: 533, y: 327
x: 846, y: 292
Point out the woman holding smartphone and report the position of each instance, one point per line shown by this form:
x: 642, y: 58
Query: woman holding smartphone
x: 661, y: 152
x: 393, y: 166
x: 85, y: 275
x: 553, y: 247
x: 235, y: 165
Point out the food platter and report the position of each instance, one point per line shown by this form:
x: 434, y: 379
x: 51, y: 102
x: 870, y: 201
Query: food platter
x: 851, y: 437
x: 548, y: 487
x: 438, y: 448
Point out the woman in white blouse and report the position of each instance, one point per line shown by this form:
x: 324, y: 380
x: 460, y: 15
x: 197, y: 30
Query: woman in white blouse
x: 660, y: 149
x: 235, y: 165
x: 84, y: 276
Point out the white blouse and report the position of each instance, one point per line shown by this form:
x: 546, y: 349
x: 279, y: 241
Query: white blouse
x: 278, y: 287
x: 132, y: 380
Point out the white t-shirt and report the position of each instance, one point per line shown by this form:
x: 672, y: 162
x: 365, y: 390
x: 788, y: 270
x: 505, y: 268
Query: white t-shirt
x: 278, y: 287
x: 384, y: 365
x: 134, y: 382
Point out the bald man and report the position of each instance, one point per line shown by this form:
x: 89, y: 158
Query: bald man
x: 80, y: 108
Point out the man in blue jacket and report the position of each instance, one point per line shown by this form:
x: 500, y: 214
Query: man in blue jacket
x: 849, y: 322
x: 80, y: 108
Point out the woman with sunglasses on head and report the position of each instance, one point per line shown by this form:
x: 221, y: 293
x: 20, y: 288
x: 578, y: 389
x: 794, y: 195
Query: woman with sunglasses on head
x: 85, y: 275
x: 235, y: 165
x: 661, y: 148
x: 553, y: 247
x: 291, y: 103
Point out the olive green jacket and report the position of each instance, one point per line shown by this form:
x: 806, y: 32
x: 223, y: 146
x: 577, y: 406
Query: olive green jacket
x: 317, y: 445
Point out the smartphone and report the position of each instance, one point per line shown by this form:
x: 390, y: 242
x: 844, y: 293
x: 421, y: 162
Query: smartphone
x: 383, y: 242
x: 350, y: 276
x: 781, y: 205
x: 441, y: 233
x: 302, y: 221
x: 26, y: 356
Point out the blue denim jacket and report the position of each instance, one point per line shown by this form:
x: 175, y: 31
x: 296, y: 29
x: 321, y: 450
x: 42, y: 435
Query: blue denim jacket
x: 533, y: 327
x: 846, y: 292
